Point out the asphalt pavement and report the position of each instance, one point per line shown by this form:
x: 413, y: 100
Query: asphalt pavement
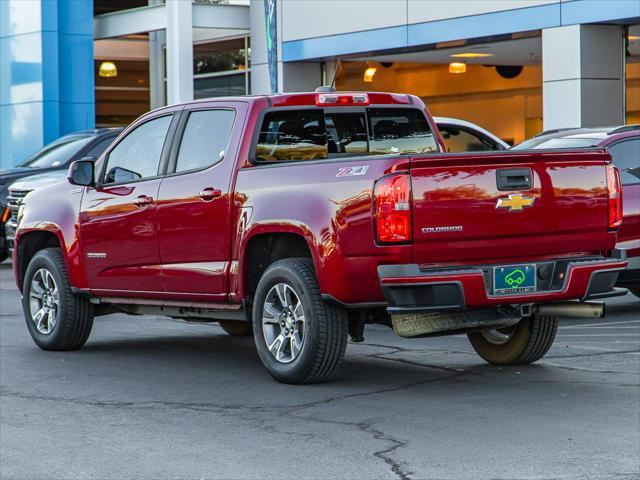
x: 152, y: 398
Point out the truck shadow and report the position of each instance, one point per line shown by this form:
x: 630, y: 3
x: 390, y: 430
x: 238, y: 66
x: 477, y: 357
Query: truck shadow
x: 203, y: 362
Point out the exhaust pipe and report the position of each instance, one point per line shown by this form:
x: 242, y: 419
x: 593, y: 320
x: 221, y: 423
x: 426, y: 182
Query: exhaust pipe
x: 571, y: 309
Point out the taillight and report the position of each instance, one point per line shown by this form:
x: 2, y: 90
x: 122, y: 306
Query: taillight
x: 615, y: 197
x: 393, y: 209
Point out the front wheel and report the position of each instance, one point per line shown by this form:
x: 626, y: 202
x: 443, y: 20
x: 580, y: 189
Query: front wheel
x: 57, y: 319
x: 526, y: 342
x: 299, y: 337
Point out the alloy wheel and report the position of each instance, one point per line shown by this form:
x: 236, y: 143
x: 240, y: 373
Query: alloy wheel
x: 44, y: 301
x: 283, y: 323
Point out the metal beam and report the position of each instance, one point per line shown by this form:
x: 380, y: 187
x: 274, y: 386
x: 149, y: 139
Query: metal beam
x: 233, y: 17
x: 153, y: 17
x: 128, y: 22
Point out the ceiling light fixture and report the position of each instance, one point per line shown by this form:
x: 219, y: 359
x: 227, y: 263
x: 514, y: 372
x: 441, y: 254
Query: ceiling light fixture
x: 456, y: 67
x: 108, y: 69
x: 368, y: 74
x: 472, y: 55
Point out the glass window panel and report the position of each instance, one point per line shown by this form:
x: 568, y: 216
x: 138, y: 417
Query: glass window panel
x: 222, y: 86
x: 347, y: 133
x: 292, y: 135
x: 137, y: 155
x: 205, y: 139
x: 57, y: 153
x: 460, y: 140
x: 225, y: 56
x: 100, y: 147
x: 626, y: 156
x: 398, y: 131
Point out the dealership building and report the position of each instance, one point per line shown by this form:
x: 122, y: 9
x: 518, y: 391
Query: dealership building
x: 515, y: 67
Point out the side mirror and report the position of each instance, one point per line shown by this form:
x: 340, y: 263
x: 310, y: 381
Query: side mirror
x: 81, y: 173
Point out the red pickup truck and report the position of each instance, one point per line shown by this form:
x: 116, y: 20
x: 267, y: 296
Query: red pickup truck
x: 300, y: 218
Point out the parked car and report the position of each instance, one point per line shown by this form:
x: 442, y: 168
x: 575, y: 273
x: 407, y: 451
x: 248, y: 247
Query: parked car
x: 462, y: 136
x: 624, y: 145
x: 49, y: 164
x: 302, y: 217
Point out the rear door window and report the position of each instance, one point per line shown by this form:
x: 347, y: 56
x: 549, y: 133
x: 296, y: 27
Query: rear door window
x: 205, y: 139
x: 317, y: 134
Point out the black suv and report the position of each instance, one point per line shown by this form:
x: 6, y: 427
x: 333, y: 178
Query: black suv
x: 57, y: 155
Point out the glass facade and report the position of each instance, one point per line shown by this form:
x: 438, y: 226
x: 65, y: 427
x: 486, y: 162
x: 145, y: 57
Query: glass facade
x: 221, y: 68
x: 42, y: 42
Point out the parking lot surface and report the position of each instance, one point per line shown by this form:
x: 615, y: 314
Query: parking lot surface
x: 154, y: 398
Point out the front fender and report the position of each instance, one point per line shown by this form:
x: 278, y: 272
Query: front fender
x: 53, y: 210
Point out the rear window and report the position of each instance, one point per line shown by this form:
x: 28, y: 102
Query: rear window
x: 317, y: 134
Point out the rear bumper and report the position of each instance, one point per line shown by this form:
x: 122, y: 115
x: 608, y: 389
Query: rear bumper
x: 631, y: 276
x: 409, y: 289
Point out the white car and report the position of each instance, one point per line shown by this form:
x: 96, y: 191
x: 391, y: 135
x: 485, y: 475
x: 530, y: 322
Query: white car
x: 462, y: 136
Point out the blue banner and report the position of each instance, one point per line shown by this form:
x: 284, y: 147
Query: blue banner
x: 272, y: 42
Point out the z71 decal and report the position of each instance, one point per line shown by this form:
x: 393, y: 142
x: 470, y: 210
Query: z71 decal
x: 352, y: 171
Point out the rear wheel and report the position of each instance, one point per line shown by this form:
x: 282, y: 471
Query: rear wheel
x: 526, y: 342
x: 56, y: 318
x: 236, y: 328
x: 299, y: 337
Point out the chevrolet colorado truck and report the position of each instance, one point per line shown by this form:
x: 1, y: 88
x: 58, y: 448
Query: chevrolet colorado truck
x: 299, y: 218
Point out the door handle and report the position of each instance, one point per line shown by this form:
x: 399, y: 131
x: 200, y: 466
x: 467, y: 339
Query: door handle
x: 209, y: 193
x: 143, y: 201
x: 514, y: 179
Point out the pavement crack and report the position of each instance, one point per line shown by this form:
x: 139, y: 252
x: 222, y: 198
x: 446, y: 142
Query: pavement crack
x: 594, y: 354
x: 143, y: 404
x: 393, y: 444
x: 416, y: 364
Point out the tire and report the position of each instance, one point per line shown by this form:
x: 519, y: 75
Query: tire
x: 524, y: 343
x: 69, y: 327
x: 236, y: 328
x: 635, y: 291
x: 318, y: 330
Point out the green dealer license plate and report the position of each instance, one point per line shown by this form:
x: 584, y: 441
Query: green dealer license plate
x: 514, y: 279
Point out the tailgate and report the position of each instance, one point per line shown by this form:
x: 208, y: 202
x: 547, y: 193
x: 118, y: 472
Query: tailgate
x: 509, y: 206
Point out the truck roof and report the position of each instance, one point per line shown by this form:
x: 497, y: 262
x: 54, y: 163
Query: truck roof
x: 313, y: 99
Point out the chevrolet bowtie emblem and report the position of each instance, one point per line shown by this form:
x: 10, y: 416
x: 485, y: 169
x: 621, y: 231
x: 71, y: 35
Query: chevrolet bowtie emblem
x: 516, y: 202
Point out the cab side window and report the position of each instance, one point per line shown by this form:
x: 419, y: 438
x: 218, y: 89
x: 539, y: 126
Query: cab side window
x: 137, y: 156
x: 626, y: 156
x: 205, y: 139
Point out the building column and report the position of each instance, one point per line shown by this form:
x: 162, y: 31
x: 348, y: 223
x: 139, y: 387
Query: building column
x: 179, y: 51
x: 156, y: 66
x: 583, y: 76
x: 260, y: 80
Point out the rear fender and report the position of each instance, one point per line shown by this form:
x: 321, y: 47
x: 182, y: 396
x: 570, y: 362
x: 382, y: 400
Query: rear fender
x: 249, y: 228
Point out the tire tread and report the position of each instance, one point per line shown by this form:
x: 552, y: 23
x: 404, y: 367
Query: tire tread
x: 76, y: 317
